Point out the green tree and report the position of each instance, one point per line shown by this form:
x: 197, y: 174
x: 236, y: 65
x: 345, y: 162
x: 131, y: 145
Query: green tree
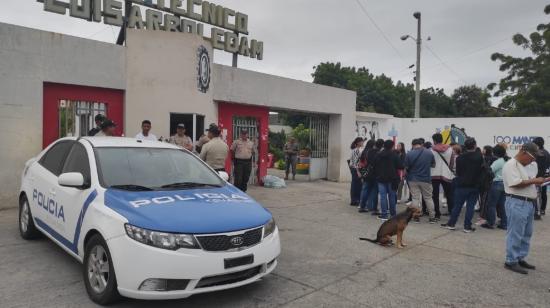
x: 471, y: 101
x: 380, y: 93
x: 301, y: 133
x: 435, y: 103
x: 526, y: 89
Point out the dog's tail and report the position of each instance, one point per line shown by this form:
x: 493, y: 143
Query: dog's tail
x: 369, y: 240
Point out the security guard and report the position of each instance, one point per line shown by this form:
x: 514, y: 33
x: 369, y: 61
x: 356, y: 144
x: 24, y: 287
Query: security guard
x: 98, y: 120
x: 242, y: 149
x: 214, y: 153
x: 181, y: 139
x: 107, y: 129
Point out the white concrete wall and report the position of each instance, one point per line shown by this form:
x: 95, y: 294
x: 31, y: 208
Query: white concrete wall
x: 486, y: 131
x: 162, y: 78
x: 28, y: 58
x: 248, y: 87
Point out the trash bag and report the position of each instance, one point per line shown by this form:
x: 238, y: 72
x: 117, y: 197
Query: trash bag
x: 271, y: 181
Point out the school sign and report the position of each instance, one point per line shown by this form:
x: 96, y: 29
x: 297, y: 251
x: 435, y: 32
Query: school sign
x: 189, y: 16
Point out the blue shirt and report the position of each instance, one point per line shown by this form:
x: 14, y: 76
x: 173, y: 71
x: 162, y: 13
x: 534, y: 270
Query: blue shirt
x: 497, y: 169
x: 419, y: 163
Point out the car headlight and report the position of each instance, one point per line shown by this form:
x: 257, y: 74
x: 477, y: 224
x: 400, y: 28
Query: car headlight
x: 171, y: 241
x: 269, y: 227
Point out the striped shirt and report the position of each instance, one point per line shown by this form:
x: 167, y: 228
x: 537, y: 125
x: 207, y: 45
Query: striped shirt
x: 354, y: 160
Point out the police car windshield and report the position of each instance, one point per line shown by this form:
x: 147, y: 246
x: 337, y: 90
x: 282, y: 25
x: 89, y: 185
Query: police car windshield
x: 152, y: 168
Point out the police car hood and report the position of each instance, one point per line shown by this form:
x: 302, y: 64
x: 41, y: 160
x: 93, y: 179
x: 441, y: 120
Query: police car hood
x: 196, y: 211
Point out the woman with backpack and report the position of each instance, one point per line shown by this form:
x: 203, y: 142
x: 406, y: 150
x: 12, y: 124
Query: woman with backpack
x: 366, y: 173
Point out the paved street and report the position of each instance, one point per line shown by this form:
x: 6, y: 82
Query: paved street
x: 323, y: 264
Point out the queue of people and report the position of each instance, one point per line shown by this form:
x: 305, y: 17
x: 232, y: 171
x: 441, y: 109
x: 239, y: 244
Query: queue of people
x: 511, y: 189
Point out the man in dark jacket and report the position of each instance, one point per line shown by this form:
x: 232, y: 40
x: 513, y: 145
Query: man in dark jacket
x: 543, y: 164
x: 468, y: 171
x: 385, y: 170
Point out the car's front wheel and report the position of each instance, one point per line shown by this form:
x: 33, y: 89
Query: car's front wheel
x: 99, y: 274
x: 26, y: 223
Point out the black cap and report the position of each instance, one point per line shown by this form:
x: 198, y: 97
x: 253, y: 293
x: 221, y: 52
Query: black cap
x: 213, y: 128
x: 108, y: 123
x: 531, y: 148
x: 100, y: 117
x: 244, y: 132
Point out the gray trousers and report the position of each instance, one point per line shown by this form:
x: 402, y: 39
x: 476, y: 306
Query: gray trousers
x: 422, y: 190
x: 290, y: 162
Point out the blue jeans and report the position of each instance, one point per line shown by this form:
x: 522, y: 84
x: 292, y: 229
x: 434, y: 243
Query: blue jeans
x: 520, y: 228
x: 387, y: 196
x: 355, y: 190
x: 373, y: 197
x: 366, y: 191
x: 497, y: 198
x: 468, y: 195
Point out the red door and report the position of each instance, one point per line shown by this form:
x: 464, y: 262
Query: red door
x: 72, y: 105
x: 226, y: 112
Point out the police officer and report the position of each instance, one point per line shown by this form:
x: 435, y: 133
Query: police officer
x: 181, y: 139
x: 242, y: 149
x: 107, y: 129
x: 98, y: 120
x: 214, y: 153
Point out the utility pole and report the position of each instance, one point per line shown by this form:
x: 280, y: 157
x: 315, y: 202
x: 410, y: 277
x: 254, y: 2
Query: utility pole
x: 417, y: 15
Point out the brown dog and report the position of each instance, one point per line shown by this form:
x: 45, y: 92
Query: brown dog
x: 395, y: 226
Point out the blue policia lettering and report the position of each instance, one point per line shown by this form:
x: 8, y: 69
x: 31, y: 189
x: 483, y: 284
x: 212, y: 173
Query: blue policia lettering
x: 73, y: 246
x: 48, y: 204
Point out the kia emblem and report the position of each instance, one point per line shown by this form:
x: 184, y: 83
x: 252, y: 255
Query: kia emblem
x: 237, y: 241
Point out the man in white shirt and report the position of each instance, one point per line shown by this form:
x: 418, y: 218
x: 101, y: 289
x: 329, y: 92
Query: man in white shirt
x: 146, y: 132
x: 520, y: 181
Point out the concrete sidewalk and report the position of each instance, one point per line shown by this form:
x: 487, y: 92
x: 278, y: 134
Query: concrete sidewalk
x: 323, y: 264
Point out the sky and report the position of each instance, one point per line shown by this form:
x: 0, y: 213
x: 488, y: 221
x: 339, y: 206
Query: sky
x: 299, y: 34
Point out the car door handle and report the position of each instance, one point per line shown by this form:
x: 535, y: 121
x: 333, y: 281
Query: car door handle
x: 52, y: 192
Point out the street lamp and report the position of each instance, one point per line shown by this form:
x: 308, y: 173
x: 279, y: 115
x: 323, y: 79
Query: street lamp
x: 418, y: 41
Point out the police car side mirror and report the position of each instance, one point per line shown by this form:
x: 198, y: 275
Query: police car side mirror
x: 224, y: 175
x: 71, y: 179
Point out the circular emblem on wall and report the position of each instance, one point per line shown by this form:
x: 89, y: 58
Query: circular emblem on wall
x: 203, y: 69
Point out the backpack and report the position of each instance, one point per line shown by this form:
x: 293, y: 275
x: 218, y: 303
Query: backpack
x: 486, y: 176
x: 365, y: 169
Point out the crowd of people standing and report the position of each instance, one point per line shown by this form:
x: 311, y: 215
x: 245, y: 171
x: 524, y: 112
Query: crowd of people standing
x: 382, y: 172
x: 514, y: 190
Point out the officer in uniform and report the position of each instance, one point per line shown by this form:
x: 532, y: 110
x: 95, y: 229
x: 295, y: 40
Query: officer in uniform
x: 214, y: 153
x: 98, y: 120
x: 181, y: 139
x: 107, y: 129
x: 242, y: 149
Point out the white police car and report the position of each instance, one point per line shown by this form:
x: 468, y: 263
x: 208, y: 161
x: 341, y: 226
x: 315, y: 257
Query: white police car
x: 147, y: 220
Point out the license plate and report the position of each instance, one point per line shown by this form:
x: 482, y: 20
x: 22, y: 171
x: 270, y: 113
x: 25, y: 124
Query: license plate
x: 240, y: 261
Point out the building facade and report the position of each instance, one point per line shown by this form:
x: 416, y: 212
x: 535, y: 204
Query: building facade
x: 52, y: 85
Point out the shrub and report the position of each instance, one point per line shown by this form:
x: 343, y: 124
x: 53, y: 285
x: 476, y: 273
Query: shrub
x: 281, y: 164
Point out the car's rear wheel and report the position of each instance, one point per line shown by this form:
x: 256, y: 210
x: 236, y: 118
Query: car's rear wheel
x: 99, y: 274
x: 26, y: 223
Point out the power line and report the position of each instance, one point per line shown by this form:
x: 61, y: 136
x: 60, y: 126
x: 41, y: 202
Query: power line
x: 444, y: 64
x: 364, y: 10
x: 96, y: 33
x: 451, y: 60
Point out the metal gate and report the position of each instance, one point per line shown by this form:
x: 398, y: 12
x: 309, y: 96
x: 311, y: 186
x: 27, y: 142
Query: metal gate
x: 318, y: 141
x: 76, y: 118
x: 251, y: 125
